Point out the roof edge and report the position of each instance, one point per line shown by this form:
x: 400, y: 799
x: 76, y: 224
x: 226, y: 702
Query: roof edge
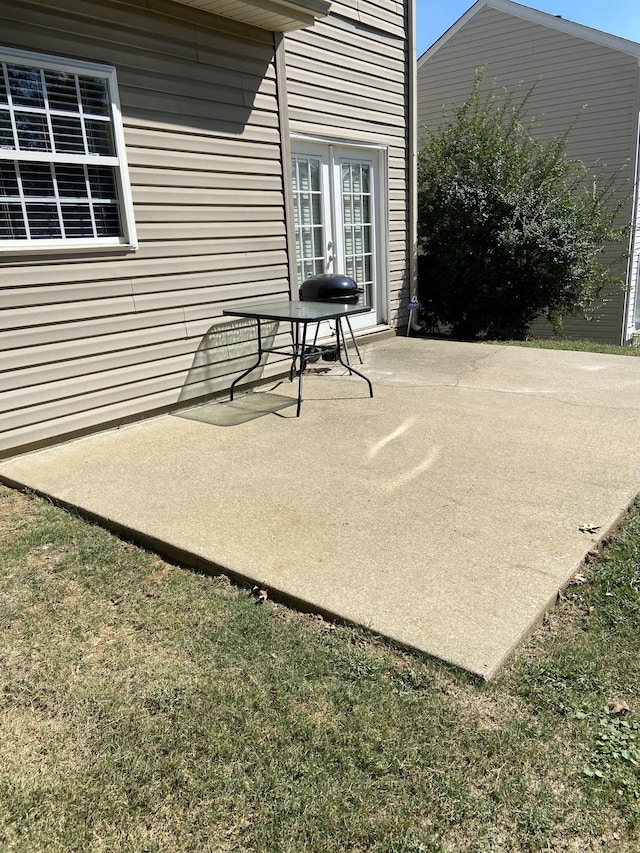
x: 277, y: 15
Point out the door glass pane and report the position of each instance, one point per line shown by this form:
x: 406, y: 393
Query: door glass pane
x: 348, y: 241
x: 357, y: 225
x: 347, y: 209
x: 346, y: 179
x: 316, y: 210
x: 357, y: 179
x: 308, y: 269
x: 314, y: 175
x: 303, y: 176
x: 308, y: 218
x: 306, y: 242
x: 318, y: 244
x: 357, y: 209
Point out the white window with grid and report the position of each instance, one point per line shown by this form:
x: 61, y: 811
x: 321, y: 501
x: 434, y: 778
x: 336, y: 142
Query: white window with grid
x: 63, y: 172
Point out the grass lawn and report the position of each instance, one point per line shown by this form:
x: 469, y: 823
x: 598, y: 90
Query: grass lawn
x: 568, y: 344
x: 149, y: 708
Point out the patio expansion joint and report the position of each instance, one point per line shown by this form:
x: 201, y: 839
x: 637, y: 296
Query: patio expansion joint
x: 542, y: 395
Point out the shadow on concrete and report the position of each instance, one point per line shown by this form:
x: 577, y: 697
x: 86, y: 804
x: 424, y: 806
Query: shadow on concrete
x: 245, y: 408
x: 224, y: 353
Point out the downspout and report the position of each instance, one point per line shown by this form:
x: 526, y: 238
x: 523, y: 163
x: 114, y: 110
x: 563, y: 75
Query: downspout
x: 285, y: 154
x: 412, y: 166
x: 632, y: 302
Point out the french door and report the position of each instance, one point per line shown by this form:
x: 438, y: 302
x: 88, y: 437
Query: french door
x: 336, y: 192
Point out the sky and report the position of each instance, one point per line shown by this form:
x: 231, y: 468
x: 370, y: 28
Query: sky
x: 618, y: 17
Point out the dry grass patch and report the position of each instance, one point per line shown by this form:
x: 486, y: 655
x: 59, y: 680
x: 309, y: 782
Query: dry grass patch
x: 145, y: 707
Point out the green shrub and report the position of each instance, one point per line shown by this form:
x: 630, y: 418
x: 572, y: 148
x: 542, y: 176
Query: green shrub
x: 509, y: 228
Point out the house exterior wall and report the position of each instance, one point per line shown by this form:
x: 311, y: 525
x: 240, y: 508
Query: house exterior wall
x: 90, y: 339
x: 347, y: 81
x: 569, y: 72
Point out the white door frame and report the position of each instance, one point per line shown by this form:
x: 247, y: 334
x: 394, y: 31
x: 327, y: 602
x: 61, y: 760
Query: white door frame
x: 332, y: 154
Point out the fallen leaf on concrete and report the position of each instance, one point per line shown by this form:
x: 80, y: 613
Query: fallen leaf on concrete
x: 618, y: 706
x: 589, y: 528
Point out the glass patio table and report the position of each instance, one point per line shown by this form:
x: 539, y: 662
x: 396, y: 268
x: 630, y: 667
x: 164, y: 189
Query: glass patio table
x: 300, y: 315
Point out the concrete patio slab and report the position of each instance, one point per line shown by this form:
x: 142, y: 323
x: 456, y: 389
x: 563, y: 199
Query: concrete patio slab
x: 444, y: 513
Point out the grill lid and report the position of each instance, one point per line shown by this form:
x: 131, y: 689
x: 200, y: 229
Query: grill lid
x: 330, y: 287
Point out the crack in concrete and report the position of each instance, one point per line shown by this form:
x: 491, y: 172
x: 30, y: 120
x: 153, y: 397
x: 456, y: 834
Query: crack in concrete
x: 476, y: 363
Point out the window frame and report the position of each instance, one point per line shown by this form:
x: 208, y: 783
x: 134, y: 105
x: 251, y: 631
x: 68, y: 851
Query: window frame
x: 127, y: 239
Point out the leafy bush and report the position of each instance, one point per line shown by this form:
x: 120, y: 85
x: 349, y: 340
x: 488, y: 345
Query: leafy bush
x: 509, y: 227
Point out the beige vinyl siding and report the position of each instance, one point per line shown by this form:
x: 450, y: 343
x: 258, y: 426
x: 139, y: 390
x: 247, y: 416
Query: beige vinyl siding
x: 94, y: 339
x: 347, y: 80
x: 570, y: 72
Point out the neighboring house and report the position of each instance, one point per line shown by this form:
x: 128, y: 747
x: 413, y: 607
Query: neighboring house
x: 572, y: 65
x: 159, y: 162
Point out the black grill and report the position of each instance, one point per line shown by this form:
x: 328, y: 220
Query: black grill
x: 330, y: 287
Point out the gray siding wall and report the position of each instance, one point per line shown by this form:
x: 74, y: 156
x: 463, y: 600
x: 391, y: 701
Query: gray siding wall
x: 347, y: 81
x: 88, y: 340
x: 571, y: 72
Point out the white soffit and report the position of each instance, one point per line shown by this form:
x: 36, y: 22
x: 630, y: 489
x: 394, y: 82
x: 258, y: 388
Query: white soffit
x: 275, y: 15
x: 554, y: 22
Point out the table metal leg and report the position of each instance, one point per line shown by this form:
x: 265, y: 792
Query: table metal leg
x: 295, y: 336
x: 302, y: 362
x: 253, y: 366
x: 355, y: 342
x: 299, y: 357
x: 350, y: 368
